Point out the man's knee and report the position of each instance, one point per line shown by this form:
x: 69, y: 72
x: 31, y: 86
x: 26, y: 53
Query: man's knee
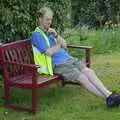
x: 87, y: 70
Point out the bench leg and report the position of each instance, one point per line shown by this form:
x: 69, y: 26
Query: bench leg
x: 34, y: 100
x: 7, y: 94
x: 63, y: 83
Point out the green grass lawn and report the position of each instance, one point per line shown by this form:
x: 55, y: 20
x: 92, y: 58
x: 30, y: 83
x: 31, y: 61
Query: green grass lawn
x: 72, y: 102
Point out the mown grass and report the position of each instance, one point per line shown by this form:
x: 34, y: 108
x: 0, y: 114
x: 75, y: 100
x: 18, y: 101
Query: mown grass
x: 71, y: 102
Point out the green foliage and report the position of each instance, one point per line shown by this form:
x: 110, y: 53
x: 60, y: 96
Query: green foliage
x: 95, y: 12
x: 105, y: 41
x: 102, y: 40
x: 83, y: 11
x: 19, y: 17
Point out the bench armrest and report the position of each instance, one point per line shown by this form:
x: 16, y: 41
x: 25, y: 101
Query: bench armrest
x: 80, y: 47
x: 23, y: 68
x: 22, y: 64
x: 87, y: 52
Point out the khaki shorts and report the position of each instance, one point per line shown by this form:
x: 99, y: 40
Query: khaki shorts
x: 70, y: 70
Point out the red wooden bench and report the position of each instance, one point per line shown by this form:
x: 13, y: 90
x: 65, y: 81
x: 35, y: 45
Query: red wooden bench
x: 19, y: 71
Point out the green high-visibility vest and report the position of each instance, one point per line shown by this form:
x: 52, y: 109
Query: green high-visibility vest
x: 41, y: 59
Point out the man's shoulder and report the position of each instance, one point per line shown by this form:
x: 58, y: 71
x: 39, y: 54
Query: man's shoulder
x: 36, y: 34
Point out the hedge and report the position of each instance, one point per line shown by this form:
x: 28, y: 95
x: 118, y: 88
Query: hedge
x: 18, y: 17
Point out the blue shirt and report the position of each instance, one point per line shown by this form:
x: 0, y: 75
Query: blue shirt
x: 39, y: 42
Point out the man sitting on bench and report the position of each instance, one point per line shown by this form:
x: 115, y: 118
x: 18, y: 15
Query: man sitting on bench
x: 50, y: 54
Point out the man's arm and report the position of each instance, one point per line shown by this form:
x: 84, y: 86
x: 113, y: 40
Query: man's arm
x: 52, y: 50
x: 39, y: 42
x: 59, y: 39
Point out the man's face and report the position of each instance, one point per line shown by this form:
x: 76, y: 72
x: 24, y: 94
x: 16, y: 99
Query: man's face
x: 46, y: 20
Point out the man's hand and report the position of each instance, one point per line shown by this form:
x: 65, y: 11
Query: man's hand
x: 61, y: 41
x: 51, y: 30
x: 51, y: 51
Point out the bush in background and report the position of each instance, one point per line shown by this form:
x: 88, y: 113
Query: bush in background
x: 103, y: 40
x: 18, y: 17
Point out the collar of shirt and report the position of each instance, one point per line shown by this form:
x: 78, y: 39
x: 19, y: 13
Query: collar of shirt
x: 45, y: 31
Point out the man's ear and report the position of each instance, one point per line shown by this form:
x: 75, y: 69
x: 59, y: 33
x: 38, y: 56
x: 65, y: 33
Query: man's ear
x: 40, y: 19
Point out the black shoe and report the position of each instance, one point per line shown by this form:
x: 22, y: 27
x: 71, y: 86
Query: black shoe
x: 113, y: 100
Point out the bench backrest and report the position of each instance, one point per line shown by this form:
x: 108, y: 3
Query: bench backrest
x: 20, y: 52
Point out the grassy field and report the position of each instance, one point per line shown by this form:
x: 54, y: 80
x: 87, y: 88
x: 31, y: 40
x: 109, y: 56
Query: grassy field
x: 72, y: 102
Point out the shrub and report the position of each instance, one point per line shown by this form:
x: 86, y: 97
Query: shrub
x: 18, y: 17
x: 103, y: 40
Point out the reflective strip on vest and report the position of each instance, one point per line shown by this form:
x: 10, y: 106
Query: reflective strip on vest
x: 42, y: 68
